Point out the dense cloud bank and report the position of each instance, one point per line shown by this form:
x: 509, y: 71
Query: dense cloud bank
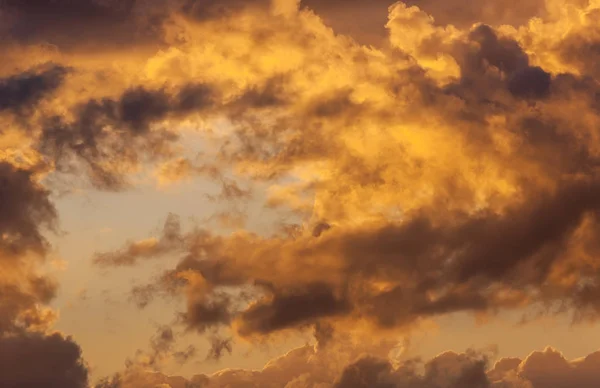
x: 448, y: 166
x: 306, y: 367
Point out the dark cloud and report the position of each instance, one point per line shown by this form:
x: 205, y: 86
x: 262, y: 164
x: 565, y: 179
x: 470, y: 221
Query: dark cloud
x: 307, y: 367
x: 550, y: 369
x: 463, y: 13
x: 292, y: 307
x: 502, y: 53
x: 483, y: 255
x: 486, y: 49
x: 92, y: 23
x: 363, y: 20
x: 203, y: 10
x: 24, y: 208
x: 271, y: 94
x: 366, y: 373
x: 207, y: 312
x: 320, y: 228
x: 22, y: 91
x: 532, y: 82
x: 488, y: 218
x: 333, y: 105
x: 582, y: 48
x: 119, y: 130
x: 515, y: 250
x: 37, y: 361
x: 448, y: 369
x: 27, y: 359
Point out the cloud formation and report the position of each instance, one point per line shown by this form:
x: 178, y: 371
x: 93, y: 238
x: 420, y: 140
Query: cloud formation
x: 452, y: 169
x: 448, y: 166
x: 36, y: 361
x: 24, y: 90
x: 32, y: 356
x: 306, y: 367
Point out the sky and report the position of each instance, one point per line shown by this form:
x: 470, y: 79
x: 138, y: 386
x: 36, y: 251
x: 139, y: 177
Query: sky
x: 299, y: 194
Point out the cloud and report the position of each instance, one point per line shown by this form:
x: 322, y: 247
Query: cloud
x: 550, y: 369
x: 491, y: 261
x: 102, y: 131
x: 492, y: 12
x: 141, y: 369
x: 451, y: 168
x: 456, y: 165
x: 362, y: 21
x: 446, y: 370
x: 35, y: 361
x: 22, y: 91
x: 218, y: 346
x: 211, y: 9
x: 24, y: 210
x: 306, y: 367
x: 90, y: 23
x: 162, y: 349
x: 25, y: 207
x: 292, y: 307
x: 170, y: 240
x: 32, y: 355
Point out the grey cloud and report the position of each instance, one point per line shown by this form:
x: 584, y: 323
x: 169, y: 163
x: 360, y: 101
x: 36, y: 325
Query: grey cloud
x: 22, y: 91
x: 37, y: 361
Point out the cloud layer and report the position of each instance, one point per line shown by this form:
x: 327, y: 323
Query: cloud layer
x: 306, y: 367
x: 437, y: 157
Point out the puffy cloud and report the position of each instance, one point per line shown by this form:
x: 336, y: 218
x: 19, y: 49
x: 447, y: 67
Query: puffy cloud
x: 36, y: 361
x: 490, y: 261
x: 307, y: 367
x: 465, y: 14
x: 550, y: 369
x: 31, y: 356
x: 454, y: 169
x: 25, y: 209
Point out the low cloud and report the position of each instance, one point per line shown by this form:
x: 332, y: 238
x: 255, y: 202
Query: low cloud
x: 306, y: 367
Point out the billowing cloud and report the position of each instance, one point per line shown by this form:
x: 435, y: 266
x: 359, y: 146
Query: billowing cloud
x: 307, y: 367
x: 22, y: 91
x: 451, y: 166
x: 490, y: 262
x: 103, y: 132
x: 31, y: 355
x: 36, y: 361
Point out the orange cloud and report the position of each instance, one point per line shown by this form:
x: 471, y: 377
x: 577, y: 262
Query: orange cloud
x: 451, y: 168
